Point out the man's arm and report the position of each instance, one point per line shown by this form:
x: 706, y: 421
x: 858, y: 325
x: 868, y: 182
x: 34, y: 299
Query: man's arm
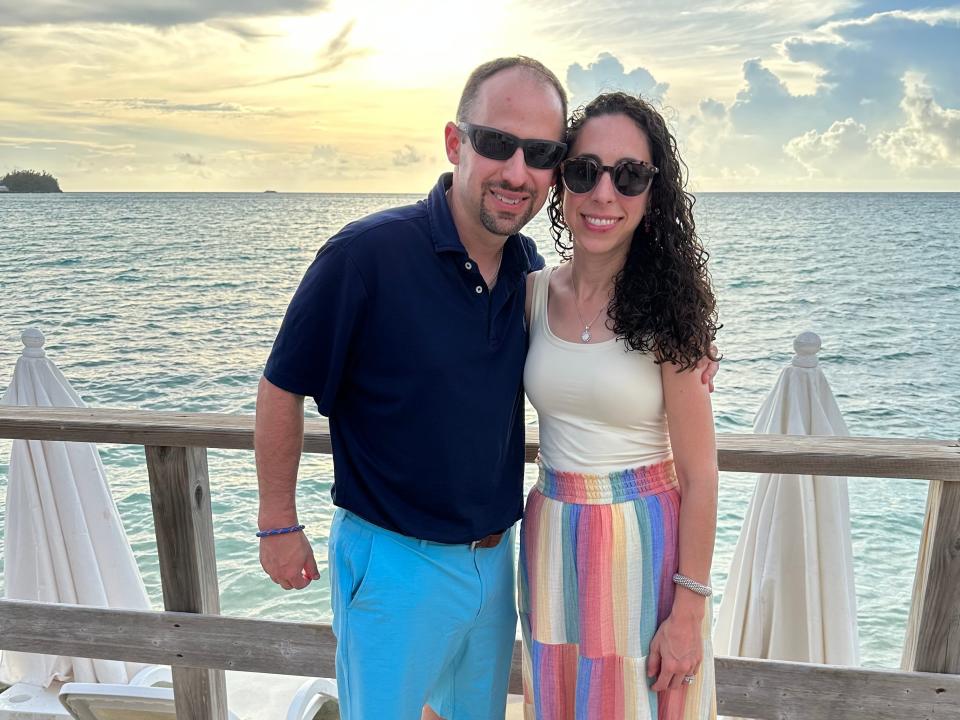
x: 278, y: 442
x: 309, y: 358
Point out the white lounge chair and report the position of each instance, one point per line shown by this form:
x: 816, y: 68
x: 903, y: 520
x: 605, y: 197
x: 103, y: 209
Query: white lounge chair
x: 311, y: 696
x: 105, y: 701
x: 149, y: 696
x: 23, y: 701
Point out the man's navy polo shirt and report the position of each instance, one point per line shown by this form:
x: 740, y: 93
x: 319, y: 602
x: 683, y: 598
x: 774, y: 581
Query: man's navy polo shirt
x: 419, y: 369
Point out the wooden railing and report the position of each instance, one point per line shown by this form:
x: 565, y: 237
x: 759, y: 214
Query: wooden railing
x: 199, y: 644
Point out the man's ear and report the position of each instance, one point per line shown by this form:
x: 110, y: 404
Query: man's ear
x: 452, y: 142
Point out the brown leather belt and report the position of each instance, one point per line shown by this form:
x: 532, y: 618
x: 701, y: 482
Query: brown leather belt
x: 489, y: 541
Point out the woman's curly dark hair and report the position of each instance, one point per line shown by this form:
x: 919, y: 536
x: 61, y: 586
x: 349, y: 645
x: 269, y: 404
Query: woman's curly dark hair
x: 662, y: 300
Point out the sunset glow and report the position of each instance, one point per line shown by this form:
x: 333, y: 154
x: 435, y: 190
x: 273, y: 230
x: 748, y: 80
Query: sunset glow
x: 307, y: 95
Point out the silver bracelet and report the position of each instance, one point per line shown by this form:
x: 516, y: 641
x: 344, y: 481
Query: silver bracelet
x: 689, y: 584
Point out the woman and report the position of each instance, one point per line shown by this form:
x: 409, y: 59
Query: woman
x: 618, y: 534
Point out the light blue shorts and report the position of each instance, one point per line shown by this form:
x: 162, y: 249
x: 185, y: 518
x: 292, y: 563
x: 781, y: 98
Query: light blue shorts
x: 419, y: 623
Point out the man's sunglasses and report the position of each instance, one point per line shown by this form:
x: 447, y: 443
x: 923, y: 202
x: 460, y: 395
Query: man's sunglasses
x: 498, y: 145
x: 630, y: 177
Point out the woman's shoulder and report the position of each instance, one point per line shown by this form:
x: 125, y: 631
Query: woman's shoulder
x: 533, y: 279
x: 544, y: 272
x: 536, y: 276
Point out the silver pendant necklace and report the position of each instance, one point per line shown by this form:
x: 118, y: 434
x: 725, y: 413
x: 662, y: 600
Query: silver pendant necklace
x: 585, y: 335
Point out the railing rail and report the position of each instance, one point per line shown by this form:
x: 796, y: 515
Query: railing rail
x: 200, y: 644
x: 857, y: 456
x: 745, y: 688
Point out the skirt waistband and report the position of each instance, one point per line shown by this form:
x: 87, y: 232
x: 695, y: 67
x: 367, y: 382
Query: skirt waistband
x: 615, y: 487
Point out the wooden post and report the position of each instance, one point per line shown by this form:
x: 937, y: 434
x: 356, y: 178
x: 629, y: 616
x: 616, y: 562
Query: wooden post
x: 180, y: 495
x: 932, y: 642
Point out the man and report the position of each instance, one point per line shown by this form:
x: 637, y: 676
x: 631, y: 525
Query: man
x: 408, y: 332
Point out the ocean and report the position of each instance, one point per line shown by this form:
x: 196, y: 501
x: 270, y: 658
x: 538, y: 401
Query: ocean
x: 171, y: 302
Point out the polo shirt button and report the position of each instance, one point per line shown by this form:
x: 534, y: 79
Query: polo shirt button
x: 468, y: 265
x: 479, y: 289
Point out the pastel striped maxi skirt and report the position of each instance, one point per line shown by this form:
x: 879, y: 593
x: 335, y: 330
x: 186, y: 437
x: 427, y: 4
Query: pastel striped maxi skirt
x: 597, y: 558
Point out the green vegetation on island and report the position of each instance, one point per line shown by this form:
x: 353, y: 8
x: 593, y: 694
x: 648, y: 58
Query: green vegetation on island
x: 30, y: 181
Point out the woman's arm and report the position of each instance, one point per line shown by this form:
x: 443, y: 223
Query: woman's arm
x: 677, y: 649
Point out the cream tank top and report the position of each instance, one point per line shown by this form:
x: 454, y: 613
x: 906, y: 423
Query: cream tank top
x: 600, y: 406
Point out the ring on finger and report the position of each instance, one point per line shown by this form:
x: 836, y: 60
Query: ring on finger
x: 688, y: 679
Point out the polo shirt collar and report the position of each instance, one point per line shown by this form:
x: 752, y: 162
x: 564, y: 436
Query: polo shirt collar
x: 444, y: 231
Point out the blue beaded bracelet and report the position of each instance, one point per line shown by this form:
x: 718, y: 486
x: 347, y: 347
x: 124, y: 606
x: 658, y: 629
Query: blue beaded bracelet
x: 280, y: 531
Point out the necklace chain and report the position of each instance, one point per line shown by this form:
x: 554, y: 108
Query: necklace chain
x: 585, y: 335
x: 496, y: 274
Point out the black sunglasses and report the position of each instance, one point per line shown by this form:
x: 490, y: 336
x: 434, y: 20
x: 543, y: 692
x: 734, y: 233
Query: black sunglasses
x: 498, y: 145
x: 630, y: 177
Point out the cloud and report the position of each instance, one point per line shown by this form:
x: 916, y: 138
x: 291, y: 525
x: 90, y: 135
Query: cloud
x: 323, y: 152
x: 190, y: 158
x: 836, y: 152
x: 189, y: 64
x: 746, y: 173
x: 606, y: 74
x: 27, y: 141
x: 860, y: 63
x: 334, y: 54
x: 165, y: 106
x: 713, y: 109
x: 685, y: 31
x: 869, y: 109
x: 159, y: 13
x: 245, y: 30
x: 931, y: 135
x: 407, y: 156
x: 765, y: 107
x: 715, y: 153
x: 863, y: 60
x: 866, y: 8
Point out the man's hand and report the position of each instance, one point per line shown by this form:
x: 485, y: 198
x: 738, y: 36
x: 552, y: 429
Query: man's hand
x: 288, y: 560
x: 709, y: 368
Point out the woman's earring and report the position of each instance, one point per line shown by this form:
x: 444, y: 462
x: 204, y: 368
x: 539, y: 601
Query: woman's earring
x: 646, y: 222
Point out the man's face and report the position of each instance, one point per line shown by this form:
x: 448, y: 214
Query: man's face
x: 501, y: 196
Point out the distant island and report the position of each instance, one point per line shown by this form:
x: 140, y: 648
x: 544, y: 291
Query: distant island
x: 29, y: 181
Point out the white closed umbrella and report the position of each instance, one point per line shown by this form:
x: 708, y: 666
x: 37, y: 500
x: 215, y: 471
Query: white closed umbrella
x: 64, y: 542
x: 790, y: 592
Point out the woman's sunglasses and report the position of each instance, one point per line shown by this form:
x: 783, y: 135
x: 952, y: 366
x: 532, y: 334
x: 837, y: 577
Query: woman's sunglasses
x: 498, y: 145
x: 630, y: 177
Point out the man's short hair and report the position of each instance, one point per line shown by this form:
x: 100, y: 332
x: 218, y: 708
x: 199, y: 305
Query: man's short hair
x: 489, y: 69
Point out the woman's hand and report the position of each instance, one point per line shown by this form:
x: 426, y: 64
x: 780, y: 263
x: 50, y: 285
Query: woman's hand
x: 676, y: 650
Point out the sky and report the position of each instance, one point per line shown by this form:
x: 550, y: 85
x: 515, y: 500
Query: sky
x: 337, y: 96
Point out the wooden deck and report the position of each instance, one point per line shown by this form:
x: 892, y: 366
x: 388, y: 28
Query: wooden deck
x: 191, y: 636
